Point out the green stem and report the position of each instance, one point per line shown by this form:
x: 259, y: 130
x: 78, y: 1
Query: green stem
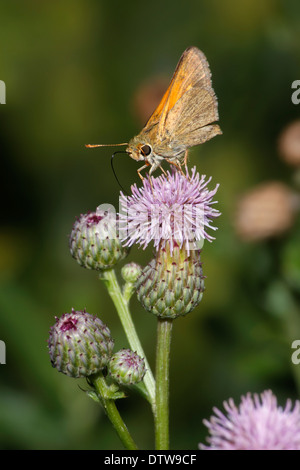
x: 122, y: 307
x: 112, y: 412
x: 164, y: 330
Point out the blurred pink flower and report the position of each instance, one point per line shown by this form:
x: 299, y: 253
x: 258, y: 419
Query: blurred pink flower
x: 257, y: 424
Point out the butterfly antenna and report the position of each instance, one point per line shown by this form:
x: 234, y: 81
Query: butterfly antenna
x: 90, y: 146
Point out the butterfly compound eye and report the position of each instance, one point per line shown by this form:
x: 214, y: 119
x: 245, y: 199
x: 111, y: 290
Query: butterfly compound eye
x: 146, y: 150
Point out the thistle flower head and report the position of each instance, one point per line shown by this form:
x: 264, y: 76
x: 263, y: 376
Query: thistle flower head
x: 79, y: 344
x: 130, y: 272
x: 256, y: 424
x: 171, y: 285
x: 94, y: 241
x: 172, y: 208
x: 127, y: 367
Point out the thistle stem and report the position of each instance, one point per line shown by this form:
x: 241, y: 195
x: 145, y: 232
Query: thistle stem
x: 112, y: 412
x: 164, y: 330
x: 122, y: 306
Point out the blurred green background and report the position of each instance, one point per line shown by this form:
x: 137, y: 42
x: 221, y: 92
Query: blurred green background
x: 72, y: 70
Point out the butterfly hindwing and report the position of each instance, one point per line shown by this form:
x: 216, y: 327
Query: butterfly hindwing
x: 196, y: 109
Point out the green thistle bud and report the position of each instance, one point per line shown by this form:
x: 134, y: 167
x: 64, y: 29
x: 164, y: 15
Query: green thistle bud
x: 94, y: 241
x: 131, y: 272
x: 79, y: 344
x: 171, y: 285
x: 127, y: 367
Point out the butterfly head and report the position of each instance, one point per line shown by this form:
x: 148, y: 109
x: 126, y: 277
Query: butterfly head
x: 138, y: 150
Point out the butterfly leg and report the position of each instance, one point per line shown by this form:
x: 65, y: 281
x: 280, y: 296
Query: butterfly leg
x: 176, y: 164
x: 185, y: 158
x: 142, y: 177
x: 185, y: 165
x: 140, y: 169
x: 164, y: 172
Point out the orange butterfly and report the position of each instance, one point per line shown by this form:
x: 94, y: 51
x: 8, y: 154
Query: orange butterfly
x: 185, y: 116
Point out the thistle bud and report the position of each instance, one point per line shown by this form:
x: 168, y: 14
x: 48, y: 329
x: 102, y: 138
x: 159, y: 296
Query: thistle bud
x: 127, y: 367
x: 79, y: 344
x: 94, y: 241
x: 171, y: 285
x: 130, y: 272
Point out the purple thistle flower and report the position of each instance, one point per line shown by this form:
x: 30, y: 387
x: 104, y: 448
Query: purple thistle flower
x: 175, y: 208
x: 257, y: 424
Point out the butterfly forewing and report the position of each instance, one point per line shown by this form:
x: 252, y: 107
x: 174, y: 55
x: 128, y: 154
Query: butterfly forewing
x: 188, y: 104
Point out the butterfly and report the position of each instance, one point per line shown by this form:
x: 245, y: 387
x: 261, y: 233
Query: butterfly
x: 186, y: 116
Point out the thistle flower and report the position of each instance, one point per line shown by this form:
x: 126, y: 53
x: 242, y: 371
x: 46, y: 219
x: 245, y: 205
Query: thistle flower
x: 172, y: 209
x: 94, y: 241
x: 79, y: 344
x: 257, y: 424
x: 127, y: 367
